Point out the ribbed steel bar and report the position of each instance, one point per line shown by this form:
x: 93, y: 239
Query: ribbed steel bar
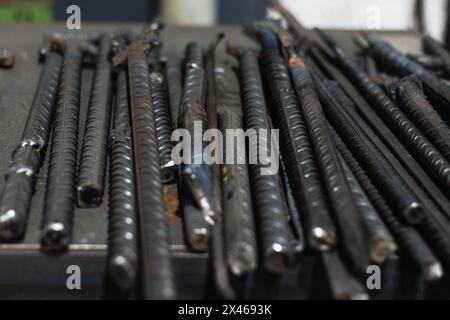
x: 92, y: 166
x: 156, y: 268
x: 387, y: 180
x: 122, y: 227
x: 296, y: 146
x: 434, y: 48
x: 436, y: 89
x: 174, y: 78
x: 409, y: 241
x: 240, y: 240
x: 409, y: 96
x: 341, y: 196
x: 193, y: 118
x: 28, y: 156
x: 381, y: 243
x: 420, y: 147
x: 381, y: 136
x: 60, y: 193
x: 162, y: 116
x: 268, y: 195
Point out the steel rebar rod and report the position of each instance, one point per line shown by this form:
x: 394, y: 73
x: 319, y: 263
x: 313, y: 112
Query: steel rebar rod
x: 268, y: 196
x: 295, y: 145
x: 433, y: 47
x: 409, y: 241
x: 174, y: 87
x: 162, y: 116
x: 122, y: 228
x: 410, y: 97
x: 420, y: 147
x: 92, y: 166
x: 381, y: 136
x: 61, y: 194
x: 158, y: 280
x: 438, y: 91
x: 28, y: 156
x: 341, y: 196
x: 240, y: 241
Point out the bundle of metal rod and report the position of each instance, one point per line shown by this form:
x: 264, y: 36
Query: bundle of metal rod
x: 6, y: 59
x: 268, y: 197
x: 60, y: 193
x: 156, y: 268
x: 296, y: 146
x: 431, y: 221
x: 420, y: 147
x: 410, y: 97
x: 28, y: 156
x: 338, y: 188
x: 380, y: 135
x: 162, y: 116
x: 91, y: 173
x: 174, y: 78
x: 381, y: 243
x: 393, y: 187
x: 197, y: 174
x: 240, y: 241
x: 409, y: 241
x: 436, y: 49
x: 438, y: 91
x: 122, y: 229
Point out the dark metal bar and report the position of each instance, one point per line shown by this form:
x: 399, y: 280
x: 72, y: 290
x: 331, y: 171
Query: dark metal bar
x: 296, y: 146
x: 157, y: 272
x: 28, y: 156
x: 174, y: 82
x: 267, y: 193
x: 392, y: 186
x: 218, y: 246
x: 381, y: 243
x: 409, y: 241
x: 343, y: 286
x: 389, y: 146
x: 60, y: 193
x: 410, y: 97
x: 240, y: 241
x: 419, y: 146
x: 122, y: 228
x: 162, y: 116
x: 438, y: 91
x: 92, y: 166
x: 344, y: 205
x: 434, y: 48
x: 193, y: 118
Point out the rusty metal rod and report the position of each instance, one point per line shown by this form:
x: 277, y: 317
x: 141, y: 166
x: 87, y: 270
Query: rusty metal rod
x: 435, y: 48
x: 158, y: 280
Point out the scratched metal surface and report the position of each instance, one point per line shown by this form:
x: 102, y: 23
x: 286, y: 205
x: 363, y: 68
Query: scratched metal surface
x: 26, y: 272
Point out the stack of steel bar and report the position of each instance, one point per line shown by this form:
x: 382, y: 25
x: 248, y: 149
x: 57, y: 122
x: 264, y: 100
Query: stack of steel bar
x: 291, y: 150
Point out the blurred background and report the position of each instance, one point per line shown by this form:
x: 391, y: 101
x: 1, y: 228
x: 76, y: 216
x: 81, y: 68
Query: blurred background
x: 429, y: 16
